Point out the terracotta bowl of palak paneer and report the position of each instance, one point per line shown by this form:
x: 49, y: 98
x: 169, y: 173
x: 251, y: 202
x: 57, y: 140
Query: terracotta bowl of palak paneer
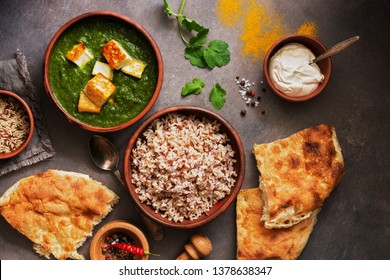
x: 103, y: 71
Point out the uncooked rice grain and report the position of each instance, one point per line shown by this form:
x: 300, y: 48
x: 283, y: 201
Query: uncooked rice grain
x: 182, y: 166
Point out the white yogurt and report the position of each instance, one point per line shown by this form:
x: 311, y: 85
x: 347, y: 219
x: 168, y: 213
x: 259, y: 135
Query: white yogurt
x: 291, y: 73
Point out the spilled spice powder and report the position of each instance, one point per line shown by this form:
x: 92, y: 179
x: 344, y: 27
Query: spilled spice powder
x: 260, y: 26
x: 308, y: 28
x: 260, y: 30
x: 229, y: 12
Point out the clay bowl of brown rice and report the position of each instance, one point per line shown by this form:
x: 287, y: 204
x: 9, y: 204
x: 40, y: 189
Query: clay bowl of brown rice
x: 184, y: 166
x: 16, y: 124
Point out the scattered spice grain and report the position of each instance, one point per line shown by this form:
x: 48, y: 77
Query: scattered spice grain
x: 247, y: 94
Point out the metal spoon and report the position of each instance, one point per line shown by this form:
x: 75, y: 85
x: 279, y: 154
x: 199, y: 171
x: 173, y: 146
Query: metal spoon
x: 336, y: 49
x: 106, y: 157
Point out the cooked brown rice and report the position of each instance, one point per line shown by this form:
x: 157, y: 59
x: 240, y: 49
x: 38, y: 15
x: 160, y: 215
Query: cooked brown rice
x: 14, y: 124
x: 182, y: 166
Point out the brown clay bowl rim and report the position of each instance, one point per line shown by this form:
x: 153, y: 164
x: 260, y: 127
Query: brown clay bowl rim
x: 31, y: 119
x: 235, y: 142
x: 305, y: 40
x: 119, y: 17
x: 117, y: 226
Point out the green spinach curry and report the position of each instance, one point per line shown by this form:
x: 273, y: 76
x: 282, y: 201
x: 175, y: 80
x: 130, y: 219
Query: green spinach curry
x: 67, y: 79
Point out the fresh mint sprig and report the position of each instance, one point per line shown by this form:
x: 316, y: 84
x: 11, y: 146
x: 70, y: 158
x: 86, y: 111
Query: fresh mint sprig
x: 215, y: 54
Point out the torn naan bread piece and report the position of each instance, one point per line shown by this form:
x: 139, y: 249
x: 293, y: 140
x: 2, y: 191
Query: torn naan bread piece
x: 57, y: 210
x: 255, y: 242
x: 297, y: 174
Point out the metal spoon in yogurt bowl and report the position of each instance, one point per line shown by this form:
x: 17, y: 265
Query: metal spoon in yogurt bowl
x: 106, y: 157
x: 336, y: 49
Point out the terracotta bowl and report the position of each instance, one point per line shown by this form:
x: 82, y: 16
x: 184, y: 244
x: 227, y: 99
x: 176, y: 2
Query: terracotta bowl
x: 316, y: 47
x: 117, y: 226
x: 132, y: 25
x: 17, y: 98
x: 239, y: 166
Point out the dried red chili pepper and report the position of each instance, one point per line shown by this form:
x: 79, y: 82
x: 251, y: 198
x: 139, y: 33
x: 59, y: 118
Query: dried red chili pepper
x: 130, y: 248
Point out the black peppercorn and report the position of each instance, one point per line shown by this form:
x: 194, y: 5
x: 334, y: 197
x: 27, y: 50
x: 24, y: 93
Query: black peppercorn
x: 116, y: 253
x: 243, y: 112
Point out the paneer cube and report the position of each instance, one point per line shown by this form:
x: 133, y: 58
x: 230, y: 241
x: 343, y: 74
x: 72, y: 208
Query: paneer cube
x: 79, y: 55
x: 99, y: 89
x: 134, y: 68
x: 115, y: 54
x: 86, y: 105
x: 104, y: 68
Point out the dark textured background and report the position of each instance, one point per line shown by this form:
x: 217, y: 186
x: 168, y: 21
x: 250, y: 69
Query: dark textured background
x: 354, y: 222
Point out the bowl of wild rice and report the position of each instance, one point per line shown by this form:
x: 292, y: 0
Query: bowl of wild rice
x: 16, y: 124
x: 184, y: 166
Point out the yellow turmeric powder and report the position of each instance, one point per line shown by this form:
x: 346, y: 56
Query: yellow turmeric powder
x: 260, y: 26
x: 308, y: 28
x: 229, y: 12
x: 260, y: 30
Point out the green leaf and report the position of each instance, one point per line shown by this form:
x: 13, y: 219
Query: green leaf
x: 194, y: 87
x: 190, y: 24
x: 167, y: 9
x: 199, y: 82
x: 195, y: 56
x: 200, y: 38
x: 217, y: 96
x: 217, y: 54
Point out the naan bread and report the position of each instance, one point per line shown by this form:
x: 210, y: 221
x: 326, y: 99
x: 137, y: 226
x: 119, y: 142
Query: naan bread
x: 255, y: 242
x: 297, y: 174
x: 57, y: 210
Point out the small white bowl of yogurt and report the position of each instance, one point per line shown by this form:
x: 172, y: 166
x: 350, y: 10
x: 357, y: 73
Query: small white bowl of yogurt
x: 288, y: 71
